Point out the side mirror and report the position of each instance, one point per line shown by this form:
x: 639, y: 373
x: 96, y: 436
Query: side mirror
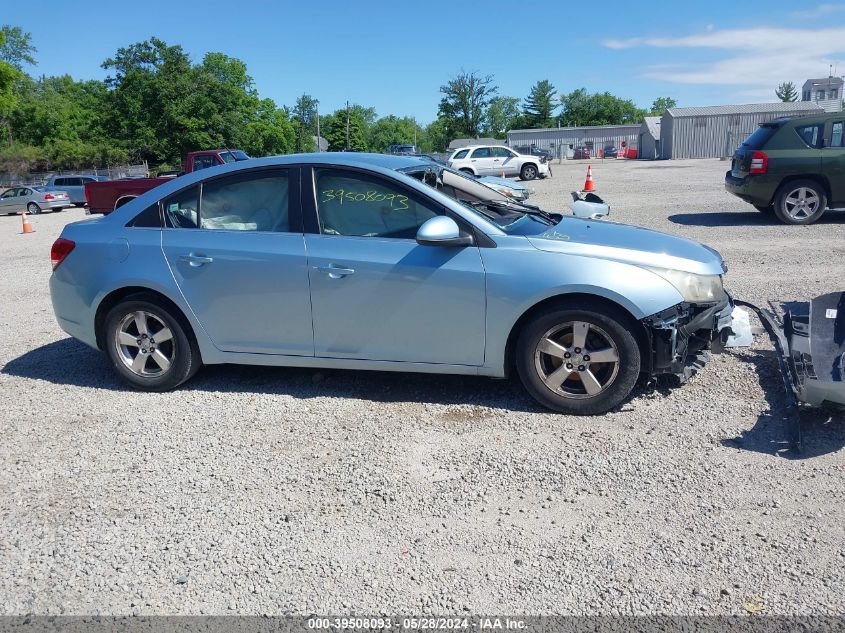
x: 442, y: 231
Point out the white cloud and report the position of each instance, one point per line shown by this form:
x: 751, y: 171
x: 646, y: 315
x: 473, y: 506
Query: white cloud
x: 759, y: 56
x: 821, y: 11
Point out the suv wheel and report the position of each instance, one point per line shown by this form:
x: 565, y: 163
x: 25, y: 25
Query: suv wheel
x: 578, y: 360
x: 528, y: 172
x: 800, y: 202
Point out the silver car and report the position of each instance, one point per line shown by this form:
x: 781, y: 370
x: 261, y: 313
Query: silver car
x: 343, y: 261
x: 33, y: 198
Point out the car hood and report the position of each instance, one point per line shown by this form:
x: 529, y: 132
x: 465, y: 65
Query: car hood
x: 496, y: 180
x: 629, y: 244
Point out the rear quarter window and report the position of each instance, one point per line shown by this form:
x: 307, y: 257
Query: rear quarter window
x: 461, y: 154
x: 812, y: 135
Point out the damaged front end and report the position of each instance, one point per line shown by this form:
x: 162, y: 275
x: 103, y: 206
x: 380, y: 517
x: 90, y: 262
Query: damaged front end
x: 683, y: 336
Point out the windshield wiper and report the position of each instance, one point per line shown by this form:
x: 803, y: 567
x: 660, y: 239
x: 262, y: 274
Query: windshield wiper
x: 520, y: 208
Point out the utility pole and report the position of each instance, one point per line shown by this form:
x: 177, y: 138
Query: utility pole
x: 317, y: 110
x: 347, y: 126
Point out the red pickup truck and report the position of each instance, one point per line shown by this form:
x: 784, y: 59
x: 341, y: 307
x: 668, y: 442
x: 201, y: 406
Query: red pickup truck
x: 104, y: 197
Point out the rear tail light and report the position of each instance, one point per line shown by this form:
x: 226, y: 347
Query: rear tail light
x: 61, y: 249
x: 87, y: 195
x: 759, y: 163
x: 48, y: 196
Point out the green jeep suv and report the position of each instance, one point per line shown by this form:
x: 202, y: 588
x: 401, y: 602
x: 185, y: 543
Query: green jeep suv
x: 792, y: 167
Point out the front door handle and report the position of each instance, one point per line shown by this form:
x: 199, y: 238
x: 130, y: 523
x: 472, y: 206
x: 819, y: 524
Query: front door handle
x: 196, y: 260
x: 334, y: 271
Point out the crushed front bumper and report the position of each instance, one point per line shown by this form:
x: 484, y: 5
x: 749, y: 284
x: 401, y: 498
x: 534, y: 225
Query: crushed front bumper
x: 682, y: 337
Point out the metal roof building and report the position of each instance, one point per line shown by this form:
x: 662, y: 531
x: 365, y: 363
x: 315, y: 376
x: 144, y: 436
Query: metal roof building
x: 561, y: 140
x: 716, y: 131
x: 649, y: 138
x: 466, y: 142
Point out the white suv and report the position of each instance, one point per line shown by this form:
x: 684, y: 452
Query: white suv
x: 492, y: 160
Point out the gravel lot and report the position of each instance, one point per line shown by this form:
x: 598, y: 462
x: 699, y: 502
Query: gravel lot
x: 260, y: 490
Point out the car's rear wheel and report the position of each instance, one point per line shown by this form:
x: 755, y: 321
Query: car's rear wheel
x: 33, y: 209
x: 765, y: 210
x: 528, y: 172
x: 578, y: 359
x: 800, y: 202
x: 149, y: 344
x: 466, y: 170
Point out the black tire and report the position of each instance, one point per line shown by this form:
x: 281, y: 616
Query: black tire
x: 615, y: 379
x: 788, y: 202
x: 767, y: 210
x: 33, y: 209
x: 528, y: 172
x: 181, y: 349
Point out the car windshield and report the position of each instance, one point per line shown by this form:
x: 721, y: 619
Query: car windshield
x: 512, y: 217
x: 233, y: 155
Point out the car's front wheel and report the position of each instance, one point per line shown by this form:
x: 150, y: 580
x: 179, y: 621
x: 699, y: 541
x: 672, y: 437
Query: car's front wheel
x: 528, y: 172
x: 149, y: 344
x: 800, y: 202
x: 581, y: 360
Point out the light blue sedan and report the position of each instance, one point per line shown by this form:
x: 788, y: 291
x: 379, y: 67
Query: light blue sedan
x: 343, y: 261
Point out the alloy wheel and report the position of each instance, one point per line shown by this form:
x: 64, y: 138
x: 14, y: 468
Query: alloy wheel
x: 801, y: 203
x: 145, y: 344
x: 576, y: 360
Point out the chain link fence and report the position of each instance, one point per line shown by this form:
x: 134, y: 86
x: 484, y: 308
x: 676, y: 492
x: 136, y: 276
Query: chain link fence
x: 9, y: 179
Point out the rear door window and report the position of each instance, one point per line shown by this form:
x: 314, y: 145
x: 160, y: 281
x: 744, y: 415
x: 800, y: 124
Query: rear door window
x: 836, y: 136
x: 256, y: 202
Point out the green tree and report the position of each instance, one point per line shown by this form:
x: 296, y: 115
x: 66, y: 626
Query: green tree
x: 661, y: 104
x: 787, y: 92
x: 436, y: 138
x: 583, y: 108
x: 305, y: 118
x: 539, y: 105
x: 336, y: 132
x: 465, y: 102
x: 15, y: 47
x: 390, y: 130
x: 502, y: 115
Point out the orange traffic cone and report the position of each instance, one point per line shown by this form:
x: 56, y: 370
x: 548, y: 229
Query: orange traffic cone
x: 588, y: 184
x: 27, y: 227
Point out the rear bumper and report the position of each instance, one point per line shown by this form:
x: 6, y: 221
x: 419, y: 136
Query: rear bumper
x: 758, y: 190
x: 55, y: 205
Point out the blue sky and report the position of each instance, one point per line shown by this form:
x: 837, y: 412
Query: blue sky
x: 394, y: 56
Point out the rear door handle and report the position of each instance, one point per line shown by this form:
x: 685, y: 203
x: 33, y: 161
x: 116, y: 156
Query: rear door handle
x: 334, y: 271
x: 196, y: 260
